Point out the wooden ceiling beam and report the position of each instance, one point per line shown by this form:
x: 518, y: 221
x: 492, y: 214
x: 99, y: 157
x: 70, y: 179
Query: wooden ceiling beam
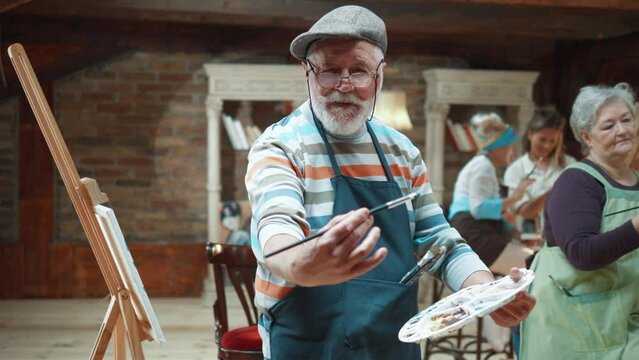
x: 579, y: 4
x: 48, y: 69
x: 6, y: 5
x: 542, y: 18
x: 147, y: 35
x: 217, y: 38
x: 63, y: 45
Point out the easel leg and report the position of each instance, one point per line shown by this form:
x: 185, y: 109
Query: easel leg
x: 108, y: 324
x: 120, y: 345
x: 131, y: 325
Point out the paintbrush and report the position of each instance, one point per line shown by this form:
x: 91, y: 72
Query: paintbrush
x: 534, y: 167
x: 389, y: 205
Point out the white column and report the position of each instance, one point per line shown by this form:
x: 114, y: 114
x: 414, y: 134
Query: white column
x: 436, y: 114
x: 524, y: 114
x: 214, y: 182
x: 214, y: 185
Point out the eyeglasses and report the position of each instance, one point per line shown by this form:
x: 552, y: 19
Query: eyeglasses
x: 330, y: 79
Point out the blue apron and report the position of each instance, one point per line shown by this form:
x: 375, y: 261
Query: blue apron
x: 358, y: 319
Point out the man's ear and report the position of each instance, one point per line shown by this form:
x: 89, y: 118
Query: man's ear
x: 380, y: 77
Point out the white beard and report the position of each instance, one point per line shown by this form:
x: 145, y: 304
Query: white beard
x: 342, y: 122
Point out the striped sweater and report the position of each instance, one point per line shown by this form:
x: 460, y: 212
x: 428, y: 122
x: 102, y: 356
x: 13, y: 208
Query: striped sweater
x: 289, y: 188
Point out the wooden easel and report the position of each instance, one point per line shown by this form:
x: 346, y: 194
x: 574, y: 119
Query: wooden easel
x: 121, y: 317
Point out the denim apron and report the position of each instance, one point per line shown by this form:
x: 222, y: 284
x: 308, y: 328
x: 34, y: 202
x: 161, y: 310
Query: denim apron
x: 589, y: 315
x: 358, y: 319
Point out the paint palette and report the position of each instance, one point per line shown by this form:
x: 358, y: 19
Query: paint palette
x: 461, y: 308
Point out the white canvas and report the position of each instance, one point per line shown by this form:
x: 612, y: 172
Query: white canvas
x: 126, y: 267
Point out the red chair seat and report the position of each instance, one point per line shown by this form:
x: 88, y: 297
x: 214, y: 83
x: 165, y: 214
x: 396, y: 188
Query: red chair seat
x: 242, y: 339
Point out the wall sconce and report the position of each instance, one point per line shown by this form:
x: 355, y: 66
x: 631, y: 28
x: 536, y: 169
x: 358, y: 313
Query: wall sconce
x: 391, y: 109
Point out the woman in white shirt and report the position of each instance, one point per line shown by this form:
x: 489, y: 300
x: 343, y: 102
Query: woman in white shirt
x: 478, y: 211
x: 543, y: 161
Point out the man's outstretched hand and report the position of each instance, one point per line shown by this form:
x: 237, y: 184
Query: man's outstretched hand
x: 344, y: 252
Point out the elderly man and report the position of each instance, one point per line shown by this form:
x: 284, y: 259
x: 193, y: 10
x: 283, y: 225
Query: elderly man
x: 324, y: 166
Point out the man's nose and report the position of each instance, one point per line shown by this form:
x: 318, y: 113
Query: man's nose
x: 344, y: 84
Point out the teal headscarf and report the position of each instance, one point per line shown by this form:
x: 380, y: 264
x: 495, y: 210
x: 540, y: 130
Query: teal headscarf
x: 506, y: 138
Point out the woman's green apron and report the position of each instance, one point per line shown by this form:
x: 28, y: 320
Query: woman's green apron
x: 586, y: 315
x: 358, y: 319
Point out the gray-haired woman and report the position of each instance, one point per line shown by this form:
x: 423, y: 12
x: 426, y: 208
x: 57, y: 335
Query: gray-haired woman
x: 587, y: 274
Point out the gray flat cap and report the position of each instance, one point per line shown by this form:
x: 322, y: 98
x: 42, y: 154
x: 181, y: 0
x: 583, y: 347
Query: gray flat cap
x: 349, y: 21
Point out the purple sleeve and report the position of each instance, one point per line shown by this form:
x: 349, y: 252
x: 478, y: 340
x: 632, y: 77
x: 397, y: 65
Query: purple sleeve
x: 573, y: 218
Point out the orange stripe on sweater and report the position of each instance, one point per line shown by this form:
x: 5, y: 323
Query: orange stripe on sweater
x: 318, y: 172
x: 402, y: 171
x: 270, y: 289
x: 272, y: 161
x: 420, y: 180
x: 362, y: 170
x: 358, y: 171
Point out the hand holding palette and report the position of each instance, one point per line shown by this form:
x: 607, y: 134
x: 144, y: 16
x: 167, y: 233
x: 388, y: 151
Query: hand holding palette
x: 530, y: 237
x: 461, y: 308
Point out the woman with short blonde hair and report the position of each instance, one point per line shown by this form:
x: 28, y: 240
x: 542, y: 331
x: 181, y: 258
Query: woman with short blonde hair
x: 478, y: 211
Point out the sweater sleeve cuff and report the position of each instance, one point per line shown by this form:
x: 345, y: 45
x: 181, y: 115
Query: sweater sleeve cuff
x: 460, y: 268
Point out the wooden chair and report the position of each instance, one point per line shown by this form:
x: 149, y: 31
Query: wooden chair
x: 238, y: 264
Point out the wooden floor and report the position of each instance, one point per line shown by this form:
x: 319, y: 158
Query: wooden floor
x: 67, y: 329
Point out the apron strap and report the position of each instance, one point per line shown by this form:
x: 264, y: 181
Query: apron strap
x: 380, y: 153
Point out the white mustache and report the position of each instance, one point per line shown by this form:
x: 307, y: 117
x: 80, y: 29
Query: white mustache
x: 342, y: 98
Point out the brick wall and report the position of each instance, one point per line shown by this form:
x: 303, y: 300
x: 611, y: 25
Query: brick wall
x: 8, y: 171
x: 137, y: 124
